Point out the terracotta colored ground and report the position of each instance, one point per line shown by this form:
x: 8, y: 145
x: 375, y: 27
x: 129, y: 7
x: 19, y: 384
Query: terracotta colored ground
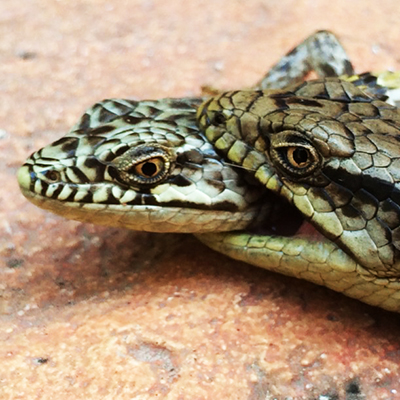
x: 91, y: 312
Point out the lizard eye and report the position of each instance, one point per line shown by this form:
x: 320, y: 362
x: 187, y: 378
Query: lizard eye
x: 144, y: 165
x: 294, y: 154
x: 298, y: 157
x: 150, y: 168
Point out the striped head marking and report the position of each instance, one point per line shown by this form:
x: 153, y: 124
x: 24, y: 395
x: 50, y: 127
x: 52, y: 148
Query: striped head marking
x: 142, y: 165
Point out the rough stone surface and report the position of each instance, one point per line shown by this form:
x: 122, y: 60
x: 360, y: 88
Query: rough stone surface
x: 98, y: 313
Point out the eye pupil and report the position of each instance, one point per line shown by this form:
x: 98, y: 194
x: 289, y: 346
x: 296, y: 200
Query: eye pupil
x: 142, y: 165
x: 149, y: 169
x: 295, y: 155
x: 153, y: 168
x: 300, y: 156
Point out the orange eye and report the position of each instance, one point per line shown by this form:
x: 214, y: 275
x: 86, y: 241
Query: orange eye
x: 298, y: 157
x: 143, y: 165
x: 294, y: 154
x: 149, y: 168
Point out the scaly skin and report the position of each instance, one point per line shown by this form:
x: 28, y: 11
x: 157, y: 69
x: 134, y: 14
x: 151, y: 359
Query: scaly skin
x: 147, y: 166
x: 91, y: 174
x: 332, y: 151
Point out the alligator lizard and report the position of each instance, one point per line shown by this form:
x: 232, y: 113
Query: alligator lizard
x: 147, y: 166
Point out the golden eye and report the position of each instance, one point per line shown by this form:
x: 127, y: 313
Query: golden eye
x: 298, y: 157
x: 294, y: 155
x: 149, y: 168
x: 146, y: 172
x: 143, y: 165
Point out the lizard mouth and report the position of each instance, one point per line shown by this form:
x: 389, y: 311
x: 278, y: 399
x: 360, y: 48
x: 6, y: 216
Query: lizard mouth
x: 285, y: 220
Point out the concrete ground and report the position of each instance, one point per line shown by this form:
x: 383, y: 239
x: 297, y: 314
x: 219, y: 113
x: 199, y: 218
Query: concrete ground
x: 89, y: 312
